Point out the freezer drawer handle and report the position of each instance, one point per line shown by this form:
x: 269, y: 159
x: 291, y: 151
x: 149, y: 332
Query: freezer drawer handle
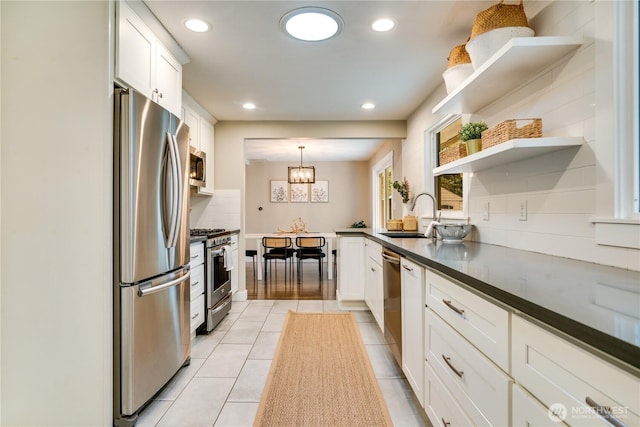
x: 453, y: 307
x: 446, y: 360
x: 153, y: 289
x: 604, y: 412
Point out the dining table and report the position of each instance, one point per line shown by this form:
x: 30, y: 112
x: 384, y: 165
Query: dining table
x: 329, y: 236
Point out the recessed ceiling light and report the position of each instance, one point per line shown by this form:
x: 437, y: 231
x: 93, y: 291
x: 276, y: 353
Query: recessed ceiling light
x: 311, y: 24
x: 383, y: 24
x: 196, y: 25
x: 368, y: 106
x: 249, y: 106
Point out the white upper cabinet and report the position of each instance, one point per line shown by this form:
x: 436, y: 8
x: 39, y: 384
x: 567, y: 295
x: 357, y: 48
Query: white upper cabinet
x: 143, y: 62
x: 192, y: 119
x: 201, y: 137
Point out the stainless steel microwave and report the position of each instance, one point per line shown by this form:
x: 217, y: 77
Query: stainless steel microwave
x: 198, y: 169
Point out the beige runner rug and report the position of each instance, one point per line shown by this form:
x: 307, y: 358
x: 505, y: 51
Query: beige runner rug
x: 321, y: 376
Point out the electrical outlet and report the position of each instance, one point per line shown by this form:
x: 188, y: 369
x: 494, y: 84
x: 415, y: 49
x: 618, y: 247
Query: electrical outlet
x: 523, y: 210
x: 485, y: 211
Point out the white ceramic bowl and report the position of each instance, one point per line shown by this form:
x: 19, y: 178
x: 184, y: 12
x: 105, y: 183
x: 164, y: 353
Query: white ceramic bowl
x: 453, y: 233
x: 455, y: 75
x: 483, y: 46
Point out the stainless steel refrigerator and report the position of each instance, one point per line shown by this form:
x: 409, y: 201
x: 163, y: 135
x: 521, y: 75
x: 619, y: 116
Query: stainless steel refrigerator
x: 151, y: 251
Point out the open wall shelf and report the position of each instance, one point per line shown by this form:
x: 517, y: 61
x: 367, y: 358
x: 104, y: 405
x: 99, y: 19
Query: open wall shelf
x: 517, y: 60
x: 507, y: 152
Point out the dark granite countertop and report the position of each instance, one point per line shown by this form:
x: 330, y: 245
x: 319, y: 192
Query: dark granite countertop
x: 598, y: 305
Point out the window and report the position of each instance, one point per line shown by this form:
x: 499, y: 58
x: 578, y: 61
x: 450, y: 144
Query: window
x: 382, y: 185
x: 449, y: 190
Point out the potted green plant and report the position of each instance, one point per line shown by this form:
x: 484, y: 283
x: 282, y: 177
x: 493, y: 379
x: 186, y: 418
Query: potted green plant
x: 471, y: 135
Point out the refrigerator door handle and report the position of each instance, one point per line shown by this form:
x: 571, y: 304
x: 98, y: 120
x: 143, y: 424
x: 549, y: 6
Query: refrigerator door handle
x: 180, y: 189
x: 144, y: 290
x: 173, y: 190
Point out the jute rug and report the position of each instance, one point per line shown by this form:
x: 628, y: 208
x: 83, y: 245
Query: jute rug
x: 321, y: 376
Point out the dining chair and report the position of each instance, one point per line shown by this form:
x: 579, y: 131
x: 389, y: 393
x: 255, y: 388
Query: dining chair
x: 310, y: 248
x: 276, y: 248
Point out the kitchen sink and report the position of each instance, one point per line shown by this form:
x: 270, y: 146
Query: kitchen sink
x: 404, y: 234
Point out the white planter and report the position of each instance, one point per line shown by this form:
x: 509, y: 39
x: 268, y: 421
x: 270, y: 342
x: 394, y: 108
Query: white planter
x: 483, y: 46
x: 456, y: 75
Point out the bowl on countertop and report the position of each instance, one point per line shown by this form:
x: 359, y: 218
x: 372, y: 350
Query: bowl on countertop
x: 453, y: 233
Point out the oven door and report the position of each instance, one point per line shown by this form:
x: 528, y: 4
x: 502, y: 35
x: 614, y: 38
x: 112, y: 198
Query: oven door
x: 218, y: 277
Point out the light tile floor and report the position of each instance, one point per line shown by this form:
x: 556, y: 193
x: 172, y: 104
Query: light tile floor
x: 229, y: 367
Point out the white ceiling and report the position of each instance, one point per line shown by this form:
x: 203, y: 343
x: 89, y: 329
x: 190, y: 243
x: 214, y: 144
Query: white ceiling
x: 245, y: 56
x: 315, y: 150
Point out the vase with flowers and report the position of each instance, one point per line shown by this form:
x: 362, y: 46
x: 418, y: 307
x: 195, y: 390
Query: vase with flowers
x: 471, y: 135
x: 403, y: 188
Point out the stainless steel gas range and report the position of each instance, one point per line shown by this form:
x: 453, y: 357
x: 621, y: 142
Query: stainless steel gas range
x: 218, y: 278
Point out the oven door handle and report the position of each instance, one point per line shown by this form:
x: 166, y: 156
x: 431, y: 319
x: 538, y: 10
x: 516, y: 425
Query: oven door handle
x: 216, y: 252
x: 222, y: 306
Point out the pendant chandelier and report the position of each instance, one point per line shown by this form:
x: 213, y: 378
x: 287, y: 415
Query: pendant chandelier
x: 302, y: 174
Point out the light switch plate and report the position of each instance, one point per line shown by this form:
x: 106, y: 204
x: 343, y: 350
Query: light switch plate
x: 523, y: 210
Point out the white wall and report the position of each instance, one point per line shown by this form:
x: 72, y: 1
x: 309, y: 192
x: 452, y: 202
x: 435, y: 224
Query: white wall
x: 349, y: 197
x: 560, y: 188
x: 56, y: 216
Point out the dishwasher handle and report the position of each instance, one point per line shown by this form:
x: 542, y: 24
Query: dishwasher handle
x: 390, y: 257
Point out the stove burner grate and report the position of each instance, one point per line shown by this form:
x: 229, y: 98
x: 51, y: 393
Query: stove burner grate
x: 206, y: 231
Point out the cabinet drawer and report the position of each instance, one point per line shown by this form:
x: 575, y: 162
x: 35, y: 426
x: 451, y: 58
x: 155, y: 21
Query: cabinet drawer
x: 484, y: 324
x: 527, y: 411
x: 478, y: 385
x: 558, y: 373
x: 374, y: 251
x: 440, y: 406
x: 197, y: 281
x: 197, y: 312
x: 197, y: 254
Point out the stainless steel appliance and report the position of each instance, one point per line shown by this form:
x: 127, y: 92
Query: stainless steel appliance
x: 197, y: 169
x: 151, y: 251
x: 392, y: 303
x: 218, y: 283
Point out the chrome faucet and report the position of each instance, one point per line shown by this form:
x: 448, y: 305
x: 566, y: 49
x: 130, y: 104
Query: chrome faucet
x: 434, y: 204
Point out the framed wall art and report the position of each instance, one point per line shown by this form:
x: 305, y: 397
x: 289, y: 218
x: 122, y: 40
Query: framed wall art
x: 320, y: 191
x: 299, y: 193
x: 278, y: 191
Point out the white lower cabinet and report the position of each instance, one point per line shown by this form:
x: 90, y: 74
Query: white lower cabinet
x: 373, y: 291
x: 351, y: 264
x: 586, y: 389
x: 527, y: 411
x: 412, y: 282
x: 197, y: 284
x: 477, y: 384
x: 234, y: 259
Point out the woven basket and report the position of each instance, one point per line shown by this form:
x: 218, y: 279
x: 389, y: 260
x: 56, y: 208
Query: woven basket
x: 451, y: 153
x: 511, y: 129
x: 458, y: 55
x: 499, y: 16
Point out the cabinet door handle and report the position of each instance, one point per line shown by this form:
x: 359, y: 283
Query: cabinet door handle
x: 194, y: 316
x: 195, y: 283
x: 446, y: 360
x: 453, y: 307
x: 407, y: 268
x: 445, y: 423
x: 195, y: 256
x: 604, y: 412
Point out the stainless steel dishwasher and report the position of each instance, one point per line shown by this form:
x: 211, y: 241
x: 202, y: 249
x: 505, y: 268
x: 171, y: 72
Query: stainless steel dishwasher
x: 392, y: 302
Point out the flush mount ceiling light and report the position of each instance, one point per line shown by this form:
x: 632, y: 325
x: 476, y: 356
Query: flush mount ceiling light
x: 249, y: 106
x: 311, y: 24
x: 383, y: 24
x: 301, y: 174
x: 196, y: 25
x: 368, y: 106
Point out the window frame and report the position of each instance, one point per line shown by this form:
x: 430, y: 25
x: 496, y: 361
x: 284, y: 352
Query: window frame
x: 617, y: 220
x: 431, y: 159
x: 380, y: 167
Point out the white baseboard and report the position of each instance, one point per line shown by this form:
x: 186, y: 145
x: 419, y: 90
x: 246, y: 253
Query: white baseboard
x: 240, y: 296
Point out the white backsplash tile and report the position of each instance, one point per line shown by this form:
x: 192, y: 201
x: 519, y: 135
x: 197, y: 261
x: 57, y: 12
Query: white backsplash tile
x: 222, y: 210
